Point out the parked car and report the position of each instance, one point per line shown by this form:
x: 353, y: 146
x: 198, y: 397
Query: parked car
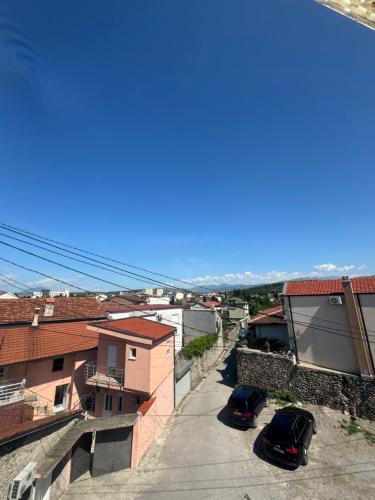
x: 288, y: 436
x: 245, y: 404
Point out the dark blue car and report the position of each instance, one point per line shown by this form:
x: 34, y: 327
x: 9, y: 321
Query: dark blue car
x: 245, y: 404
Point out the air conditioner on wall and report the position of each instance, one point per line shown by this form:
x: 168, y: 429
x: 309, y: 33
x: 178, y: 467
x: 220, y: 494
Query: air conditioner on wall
x: 335, y: 300
x: 22, y: 482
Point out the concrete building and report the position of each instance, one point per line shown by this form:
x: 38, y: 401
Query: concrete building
x: 200, y: 322
x: 362, y: 11
x: 331, y: 323
x: 158, y: 299
x: 203, y: 306
x: 235, y: 309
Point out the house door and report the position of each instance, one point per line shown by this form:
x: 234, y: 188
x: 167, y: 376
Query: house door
x: 42, y: 488
x: 113, y: 450
x: 107, y: 405
x: 111, y: 360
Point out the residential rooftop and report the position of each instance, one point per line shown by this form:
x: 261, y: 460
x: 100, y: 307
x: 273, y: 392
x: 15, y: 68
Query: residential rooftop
x: 138, y: 327
x: 141, y: 307
x: 270, y: 316
x: 365, y: 284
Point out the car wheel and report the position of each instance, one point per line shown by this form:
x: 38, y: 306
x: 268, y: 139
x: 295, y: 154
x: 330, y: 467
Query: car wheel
x: 314, y: 427
x: 305, y: 457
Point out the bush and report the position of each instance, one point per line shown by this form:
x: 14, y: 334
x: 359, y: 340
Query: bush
x: 196, y: 347
x: 284, y: 397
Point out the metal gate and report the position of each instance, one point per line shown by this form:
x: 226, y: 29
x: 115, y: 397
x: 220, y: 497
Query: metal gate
x: 113, y: 449
x: 81, y: 456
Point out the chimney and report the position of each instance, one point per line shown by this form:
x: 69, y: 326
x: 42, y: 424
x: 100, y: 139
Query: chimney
x: 36, y: 317
x: 49, y: 307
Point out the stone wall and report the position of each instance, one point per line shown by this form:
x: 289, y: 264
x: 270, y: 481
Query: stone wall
x: 201, y: 365
x: 317, y: 386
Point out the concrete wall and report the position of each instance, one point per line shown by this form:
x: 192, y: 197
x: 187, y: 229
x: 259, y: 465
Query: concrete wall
x: 313, y: 316
x: 336, y: 390
x: 367, y: 303
x: 200, y: 322
x: 279, y: 332
x: 183, y: 387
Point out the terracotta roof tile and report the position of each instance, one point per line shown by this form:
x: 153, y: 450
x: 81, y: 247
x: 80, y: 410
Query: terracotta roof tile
x: 138, y: 327
x: 141, y: 307
x: 270, y: 316
x: 27, y: 343
x: 146, y: 405
x: 210, y: 304
x: 364, y: 284
x: 22, y: 310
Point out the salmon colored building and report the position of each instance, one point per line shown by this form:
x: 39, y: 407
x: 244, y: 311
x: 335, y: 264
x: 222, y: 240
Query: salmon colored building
x: 135, y: 362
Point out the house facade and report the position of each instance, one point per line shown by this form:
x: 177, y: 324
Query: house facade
x: 235, y: 309
x: 331, y: 323
x: 270, y: 324
x: 134, y: 362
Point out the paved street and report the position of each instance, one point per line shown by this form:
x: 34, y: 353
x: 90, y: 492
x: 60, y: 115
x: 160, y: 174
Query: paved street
x: 200, y: 457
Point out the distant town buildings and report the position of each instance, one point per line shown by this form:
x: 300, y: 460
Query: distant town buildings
x: 39, y: 294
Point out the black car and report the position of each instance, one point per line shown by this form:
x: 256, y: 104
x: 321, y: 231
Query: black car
x: 288, y: 436
x: 244, y: 405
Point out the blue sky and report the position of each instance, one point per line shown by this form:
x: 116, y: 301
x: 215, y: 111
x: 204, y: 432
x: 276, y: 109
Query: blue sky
x: 198, y: 139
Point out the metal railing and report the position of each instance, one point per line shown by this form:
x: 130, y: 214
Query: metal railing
x: 104, y: 374
x: 11, y: 391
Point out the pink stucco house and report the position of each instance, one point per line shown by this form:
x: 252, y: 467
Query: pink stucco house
x: 135, y: 362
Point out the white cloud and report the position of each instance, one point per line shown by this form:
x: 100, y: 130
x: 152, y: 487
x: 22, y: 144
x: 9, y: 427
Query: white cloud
x: 251, y: 278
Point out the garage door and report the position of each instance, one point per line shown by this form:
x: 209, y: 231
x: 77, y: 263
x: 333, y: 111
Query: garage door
x: 113, y: 449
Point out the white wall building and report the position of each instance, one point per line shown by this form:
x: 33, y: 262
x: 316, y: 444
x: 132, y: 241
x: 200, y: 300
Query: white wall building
x: 158, y: 300
x: 167, y: 314
x: 7, y: 295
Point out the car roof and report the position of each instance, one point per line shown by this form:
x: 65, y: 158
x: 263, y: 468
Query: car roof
x: 243, y: 391
x: 283, y: 421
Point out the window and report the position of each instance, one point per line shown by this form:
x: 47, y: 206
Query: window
x: 120, y: 404
x: 61, y: 395
x: 108, y: 402
x: 58, y: 364
x: 2, y: 372
x: 299, y: 428
x: 133, y: 353
x: 136, y: 401
x: 168, y: 348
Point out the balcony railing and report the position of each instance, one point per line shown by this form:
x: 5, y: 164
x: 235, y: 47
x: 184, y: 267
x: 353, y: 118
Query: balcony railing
x: 11, y: 391
x: 104, y: 375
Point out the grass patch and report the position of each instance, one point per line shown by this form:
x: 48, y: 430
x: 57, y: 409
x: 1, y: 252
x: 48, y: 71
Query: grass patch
x: 196, y: 347
x: 351, y: 427
x: 283, y: 397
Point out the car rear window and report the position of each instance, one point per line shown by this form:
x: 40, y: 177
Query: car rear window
x: 281, y: 425
x: 237, y: 404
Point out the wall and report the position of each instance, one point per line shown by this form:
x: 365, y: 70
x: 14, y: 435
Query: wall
x: 183, y: 387
x: 41, y: 381
x: 11, y: 414
x: 161, y: 364
x: 149, y: 426
x: 367, y: 303
x: 201, y: 365
x: 171, y: 317
x: 199, y: 322
x: 15, y: 455
x: 336, y: 390
x: 332, y: 349
x: 279, y: 332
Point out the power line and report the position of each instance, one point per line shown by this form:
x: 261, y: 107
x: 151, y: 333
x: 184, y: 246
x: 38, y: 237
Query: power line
x: 24, y: 233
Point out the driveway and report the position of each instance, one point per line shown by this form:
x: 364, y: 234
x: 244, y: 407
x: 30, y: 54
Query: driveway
x: 200, y: 457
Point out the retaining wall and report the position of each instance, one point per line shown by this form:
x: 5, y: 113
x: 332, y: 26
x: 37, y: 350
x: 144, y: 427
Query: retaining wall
x: 327, y: 388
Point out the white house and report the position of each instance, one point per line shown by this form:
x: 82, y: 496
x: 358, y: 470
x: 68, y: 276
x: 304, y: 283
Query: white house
x: 158, y: 300
x: 202, y: 306
x: 162, y: 313
x: 7, y: 295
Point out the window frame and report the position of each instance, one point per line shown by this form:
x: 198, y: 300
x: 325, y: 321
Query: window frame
x: 54, y: 369
x: 132, y: 353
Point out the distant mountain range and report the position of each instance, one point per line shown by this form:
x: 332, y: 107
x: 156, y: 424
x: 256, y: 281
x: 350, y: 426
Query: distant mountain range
x: 223, y: 287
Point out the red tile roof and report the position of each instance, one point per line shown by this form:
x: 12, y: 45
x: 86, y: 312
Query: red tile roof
x: 364, y: 284
x: 125, y: 300
x: 210, y: 304
x: 27, y: 343
x: 22, y: 310
x: 270, y: 316
x: 141, y: 307
x: 139, y: 327
x: 146, y: 405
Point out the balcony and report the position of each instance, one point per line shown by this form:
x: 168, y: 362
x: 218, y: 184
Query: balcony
x: 11, y: 391
x: 104, y: 376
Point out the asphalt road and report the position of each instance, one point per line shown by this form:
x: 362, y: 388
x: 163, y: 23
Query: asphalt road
x: 200, y: 457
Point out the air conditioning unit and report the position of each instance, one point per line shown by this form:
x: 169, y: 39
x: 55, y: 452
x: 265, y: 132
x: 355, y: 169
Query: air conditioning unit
x: 23, y: 481
x: 335, y: 300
